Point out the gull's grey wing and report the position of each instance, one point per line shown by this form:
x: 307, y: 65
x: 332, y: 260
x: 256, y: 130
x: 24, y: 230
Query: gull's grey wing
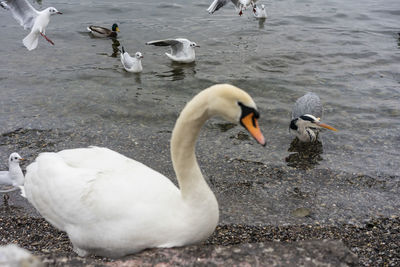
x: 307, y: 104
x: 22, y: 11
x: 128, y: 62
x: 166, y: 42
x: 217, y: 4
x: 176, y: 45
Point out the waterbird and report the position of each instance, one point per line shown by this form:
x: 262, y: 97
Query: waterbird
x: 131, y: 64
x: 239, y: 5
x: 111, y: 205
x: 306, y: 114
x: 102, y: 32
x: 13, y: 177
x: 182, y: 50
x: 30, y: 18
x: 260, y: 12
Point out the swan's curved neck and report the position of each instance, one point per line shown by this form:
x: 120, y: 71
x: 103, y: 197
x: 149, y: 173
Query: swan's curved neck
x: 183, y: 143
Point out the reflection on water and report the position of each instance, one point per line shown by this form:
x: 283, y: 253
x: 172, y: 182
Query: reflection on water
x: 398, y: 40
x: 115, y: 45
x: 306, y: 156
x: 179, y: 71
x: 261, y: 22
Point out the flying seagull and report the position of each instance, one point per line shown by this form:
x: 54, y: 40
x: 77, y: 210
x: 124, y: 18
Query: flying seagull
x: 306, y: 114
x: 239, y: 5
x: 30, y: 18
x: 182, y: 50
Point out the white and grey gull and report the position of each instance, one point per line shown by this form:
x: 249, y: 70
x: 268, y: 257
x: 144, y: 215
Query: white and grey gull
x: 131, y: 64
x: 239, y: 5
x: 14, y: 176
x: 182, y: 50
x: 30, y: 18
x: 260, y: 11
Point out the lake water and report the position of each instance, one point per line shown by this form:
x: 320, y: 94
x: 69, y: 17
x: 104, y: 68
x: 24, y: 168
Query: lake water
x: 345, y: 51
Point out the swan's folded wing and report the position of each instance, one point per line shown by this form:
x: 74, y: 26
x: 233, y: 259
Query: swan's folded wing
x: 68, y: 193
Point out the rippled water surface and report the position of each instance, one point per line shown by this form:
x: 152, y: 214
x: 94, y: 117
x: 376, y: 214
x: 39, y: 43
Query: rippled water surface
x: 345, y: 51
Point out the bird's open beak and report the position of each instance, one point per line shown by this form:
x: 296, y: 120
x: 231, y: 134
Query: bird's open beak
x: 117, y: 29
x: 320, y: 124
x: 251, y: 124
x: 197, y: 46
x: 59, y: 12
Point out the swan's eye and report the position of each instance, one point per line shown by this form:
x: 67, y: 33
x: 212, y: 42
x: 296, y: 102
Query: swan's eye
x: 15, y: 158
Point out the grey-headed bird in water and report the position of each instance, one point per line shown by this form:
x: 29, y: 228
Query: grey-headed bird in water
x: 306, y: 115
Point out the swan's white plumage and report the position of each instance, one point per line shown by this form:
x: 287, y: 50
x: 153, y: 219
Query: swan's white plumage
x: 111, y: 205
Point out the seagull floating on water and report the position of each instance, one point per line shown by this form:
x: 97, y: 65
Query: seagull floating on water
x: 99, y: 31
x: 30, y: 18
x: 239, y: 5
x: 261, y: 12
x: 182, y: 50
x: 131, y: 64
x: 306, y: 114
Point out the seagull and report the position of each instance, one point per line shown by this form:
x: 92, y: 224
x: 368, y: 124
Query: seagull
x: 239, y: 5
x: 306, y: 114
x: 182, y: 50
x: 261, y: 12
x: 13, y: 177
x: 131, y: 64
x: 99, y: 31
x: 30, y: 18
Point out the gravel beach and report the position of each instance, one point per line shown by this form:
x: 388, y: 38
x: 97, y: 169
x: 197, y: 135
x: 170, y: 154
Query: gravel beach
x: 264, y: 209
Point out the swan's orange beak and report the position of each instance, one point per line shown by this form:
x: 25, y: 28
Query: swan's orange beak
x: 251, y: 124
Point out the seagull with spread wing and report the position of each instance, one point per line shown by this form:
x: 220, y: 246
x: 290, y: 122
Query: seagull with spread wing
x: 30, y: 18
x: 182, y: 50
x: 239, y: 5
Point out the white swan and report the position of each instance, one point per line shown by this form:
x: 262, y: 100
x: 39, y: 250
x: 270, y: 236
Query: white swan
x: 111, y: 205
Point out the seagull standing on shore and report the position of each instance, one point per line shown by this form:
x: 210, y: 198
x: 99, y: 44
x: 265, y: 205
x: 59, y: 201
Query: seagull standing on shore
x: 239, y: 5
x: 13, y: 177
x: 306, y: 114
x: 30, y: 18
x: 132, y: 64
x: 182, y: 50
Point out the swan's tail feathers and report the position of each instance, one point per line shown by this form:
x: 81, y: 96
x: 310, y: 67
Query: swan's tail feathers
x: 31, y: 41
